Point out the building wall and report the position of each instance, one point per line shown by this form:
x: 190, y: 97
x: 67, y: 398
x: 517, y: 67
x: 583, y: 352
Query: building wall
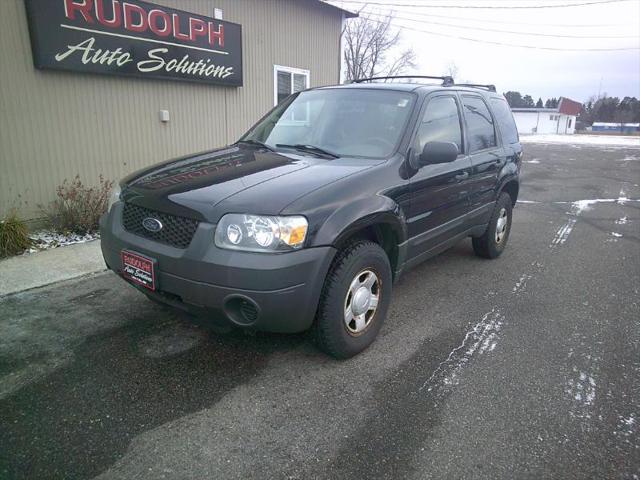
x: 541, y: 123
x: 565, y: 121
x: 54, y: 125
x: 526, y: 122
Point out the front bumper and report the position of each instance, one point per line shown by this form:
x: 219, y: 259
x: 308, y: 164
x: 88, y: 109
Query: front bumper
x: 270, y: 292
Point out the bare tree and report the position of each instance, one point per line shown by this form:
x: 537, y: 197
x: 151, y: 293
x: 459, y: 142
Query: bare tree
x: 369, y: 46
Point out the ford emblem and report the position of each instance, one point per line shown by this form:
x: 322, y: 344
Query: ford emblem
x: 152, y: 224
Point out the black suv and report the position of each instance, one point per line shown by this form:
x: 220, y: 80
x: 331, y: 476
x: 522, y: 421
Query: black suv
x: 308, y: 219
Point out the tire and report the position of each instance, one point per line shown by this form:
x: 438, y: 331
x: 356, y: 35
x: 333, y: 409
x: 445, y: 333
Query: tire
x: 361, y: 265
x: 492, y: 243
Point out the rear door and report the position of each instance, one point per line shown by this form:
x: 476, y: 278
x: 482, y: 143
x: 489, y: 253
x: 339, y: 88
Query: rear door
x: 486, y: 154
x: 439, y: 193
x: 508, y: 133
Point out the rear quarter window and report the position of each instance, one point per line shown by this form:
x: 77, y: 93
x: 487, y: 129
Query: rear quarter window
x: 505, y: 120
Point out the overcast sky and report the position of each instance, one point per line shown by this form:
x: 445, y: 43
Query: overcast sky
x: 540, y: 73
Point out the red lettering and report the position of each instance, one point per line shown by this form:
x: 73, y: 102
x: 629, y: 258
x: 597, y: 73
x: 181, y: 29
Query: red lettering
x: 216, y: 35
x: 176, y: 29
x: 82, y: 6
x: 119, y: 13
x: 129, y: 10
x: 137, y: 263
x: 154, y: 16
x: 116, y: 19
x: 197, y: 28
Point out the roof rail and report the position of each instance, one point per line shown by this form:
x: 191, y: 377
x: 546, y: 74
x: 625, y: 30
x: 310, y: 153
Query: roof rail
x: 491, y: 88
x: 447, y: 81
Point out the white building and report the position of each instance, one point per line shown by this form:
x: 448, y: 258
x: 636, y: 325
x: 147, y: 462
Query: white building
x: 561, y: 120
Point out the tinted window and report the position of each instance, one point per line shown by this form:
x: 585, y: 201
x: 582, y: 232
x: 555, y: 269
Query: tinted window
x: 505, y: 120
x: 479, y: 124
x: 440, y: 123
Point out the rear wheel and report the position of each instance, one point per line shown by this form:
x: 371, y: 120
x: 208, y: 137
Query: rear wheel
x: 354, y: 301
x: 494, y: 240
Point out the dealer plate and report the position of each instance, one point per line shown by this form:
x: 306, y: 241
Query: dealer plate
x: 139, y: 269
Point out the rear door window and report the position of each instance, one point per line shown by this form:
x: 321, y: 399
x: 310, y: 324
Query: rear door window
x: 440, y: 123
x: 505, y: 120
x: 480, y: 128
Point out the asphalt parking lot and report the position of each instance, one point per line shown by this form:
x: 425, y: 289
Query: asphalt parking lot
x: 523, y: 367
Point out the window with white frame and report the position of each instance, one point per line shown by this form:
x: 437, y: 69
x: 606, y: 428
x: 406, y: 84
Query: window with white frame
x: 287, y: 80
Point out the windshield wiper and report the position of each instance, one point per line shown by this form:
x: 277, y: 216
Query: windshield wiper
x: 257, y: 143
x: 309, y: 148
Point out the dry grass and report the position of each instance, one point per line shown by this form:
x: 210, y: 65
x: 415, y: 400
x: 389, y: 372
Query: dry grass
x: 77, y: 208
x: 14, y: 236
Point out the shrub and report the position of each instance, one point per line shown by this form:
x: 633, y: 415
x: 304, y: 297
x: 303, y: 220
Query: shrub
x: 77, y: 208
x: 14, y: 236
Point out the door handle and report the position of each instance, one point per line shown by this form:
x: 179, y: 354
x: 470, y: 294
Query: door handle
x: 462, y: 176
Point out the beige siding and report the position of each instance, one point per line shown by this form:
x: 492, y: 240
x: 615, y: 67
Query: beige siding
x: 54, y: 125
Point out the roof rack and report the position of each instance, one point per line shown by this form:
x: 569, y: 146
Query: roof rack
x: 491, y: 88
x: 447, y: 81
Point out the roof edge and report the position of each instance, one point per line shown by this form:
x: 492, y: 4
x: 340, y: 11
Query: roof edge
x: 346, y: 13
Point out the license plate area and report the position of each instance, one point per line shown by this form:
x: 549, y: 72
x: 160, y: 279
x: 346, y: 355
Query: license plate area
x: 139, y: 269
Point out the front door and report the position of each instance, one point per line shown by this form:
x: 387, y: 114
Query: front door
x: 439, y: 193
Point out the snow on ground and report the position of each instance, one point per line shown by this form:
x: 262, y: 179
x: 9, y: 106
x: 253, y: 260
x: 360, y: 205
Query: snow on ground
x: 482, y: 337
x: 45, y: 240
x: 578, y: 139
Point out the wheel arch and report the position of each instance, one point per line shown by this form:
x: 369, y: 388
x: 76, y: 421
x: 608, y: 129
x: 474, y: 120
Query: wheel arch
x: 511, y: 186
x: 381, y: 221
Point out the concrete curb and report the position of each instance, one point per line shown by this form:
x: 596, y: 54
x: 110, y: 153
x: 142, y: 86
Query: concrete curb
x: 50, y: 266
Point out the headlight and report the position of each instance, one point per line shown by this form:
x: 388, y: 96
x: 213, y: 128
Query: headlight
x: 115, y: 196
x: 261, y: 233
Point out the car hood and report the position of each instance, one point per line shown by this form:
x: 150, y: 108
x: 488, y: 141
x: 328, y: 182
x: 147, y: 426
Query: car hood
x: 239, y: 178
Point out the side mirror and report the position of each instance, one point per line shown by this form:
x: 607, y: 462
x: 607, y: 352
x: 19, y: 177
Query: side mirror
x: 438, y: 152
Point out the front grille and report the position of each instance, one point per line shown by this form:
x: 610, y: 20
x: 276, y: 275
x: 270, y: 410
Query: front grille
x: 176, y: 231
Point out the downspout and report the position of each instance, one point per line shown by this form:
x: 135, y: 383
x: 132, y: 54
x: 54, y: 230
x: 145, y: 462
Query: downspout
x: 341, y: 50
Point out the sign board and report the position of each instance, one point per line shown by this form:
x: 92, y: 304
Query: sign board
x: 135, y: 38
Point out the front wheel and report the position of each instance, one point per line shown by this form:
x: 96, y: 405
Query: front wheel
x: 494, y: 240
x: 354, y: 301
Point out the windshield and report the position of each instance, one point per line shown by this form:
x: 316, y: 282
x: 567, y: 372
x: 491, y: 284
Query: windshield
x: 346, y: 122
